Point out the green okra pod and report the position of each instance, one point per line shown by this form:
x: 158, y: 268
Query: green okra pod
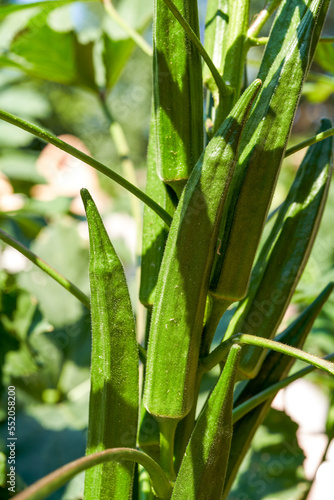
x: 178, y: 94
x: 178, y: 312
x: 216, y: 25
x: 155, y: 230
x: 262, y: 147
x: 113, y: 406
x: 275, y: 368
x: 284, y: 254
x: 234, y: 56
x: 225, y: 39
x: 202, y: 472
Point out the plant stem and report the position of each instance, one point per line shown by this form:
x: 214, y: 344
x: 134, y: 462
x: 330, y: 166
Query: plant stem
x: 44, y: 266
x: 262, y: 18
x: 133, y: 34
x: 52, y: 139
x: 256, y: 42
x: 45, y: 486
x: 308, y: 142
x: 220, y: 353
x: 244, y: 408
x: 223, y: 89
x: 263, y: 40
x: 187, y: 424
x: 167, y: 428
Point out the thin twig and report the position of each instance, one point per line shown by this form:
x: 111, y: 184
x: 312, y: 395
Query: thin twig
x: 133, y: 34
x: 52, y: 139
x: 44, y: 266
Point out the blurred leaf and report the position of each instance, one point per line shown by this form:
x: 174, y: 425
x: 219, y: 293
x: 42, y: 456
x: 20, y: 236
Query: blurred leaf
x: 49, y: 437
x: 12, y: 25
x: 115, y: 55
x: 319, y: 89
x: 24, y: 101
x: 55, y: 64
x: 324, y: 56
x: 62, y: 61
x: 330, y: 418
x: 60, y: 245
x: 21, y: 166
x: 36, y: 348
x: 5, y: 10
x: 3, y: 477
x: 12, y: 137
x: 52, y: 208
x: 273, y: 468
x: 70, y: 34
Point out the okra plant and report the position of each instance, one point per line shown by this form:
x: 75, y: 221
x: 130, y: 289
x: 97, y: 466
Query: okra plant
x: 216, y: 145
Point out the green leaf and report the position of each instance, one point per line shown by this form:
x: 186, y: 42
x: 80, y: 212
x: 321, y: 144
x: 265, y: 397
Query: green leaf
x: 273, y: 468
x: 115, y: 55
x: 52, y: 243
x: 6, y: 10
x: 62, y: 62
x: 324, y: 56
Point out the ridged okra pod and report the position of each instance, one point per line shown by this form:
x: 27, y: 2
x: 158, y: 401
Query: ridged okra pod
x: 202, y: 472
x: 262, y: 147
x: 178, y: 94
x: 178, y: 312
x: 285, y: 253
x: 226, y: 27
x: 275, y: 368
x: 113, y: 405
x: 155, y: 231
x: 216, y: 25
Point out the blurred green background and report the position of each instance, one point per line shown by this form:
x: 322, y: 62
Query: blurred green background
x: 60, y: 67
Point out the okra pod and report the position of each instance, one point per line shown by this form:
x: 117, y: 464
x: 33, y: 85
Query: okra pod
x: 216, y: 25
x: 113, y: 405
x: 285, y: 253
x: 155, y: 231
x: 235, y: 49
x: 202, y: 472
x: 262, y: 149
x: 275, y: 368
x: 225, y: 39
x: 178, y: 312
x: 178, y: 94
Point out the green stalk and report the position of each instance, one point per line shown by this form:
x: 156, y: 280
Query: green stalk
x: 262, y: 18
x: 220, y: 353
x: 308, y: 142
x: 244, y: 408
x: 44, y: 266
x: 167, y: 435
x: 52, y: 139
x: 223, y: 89
x: 134, y: 35
x: 263, y: 40
x: 50, y: 483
